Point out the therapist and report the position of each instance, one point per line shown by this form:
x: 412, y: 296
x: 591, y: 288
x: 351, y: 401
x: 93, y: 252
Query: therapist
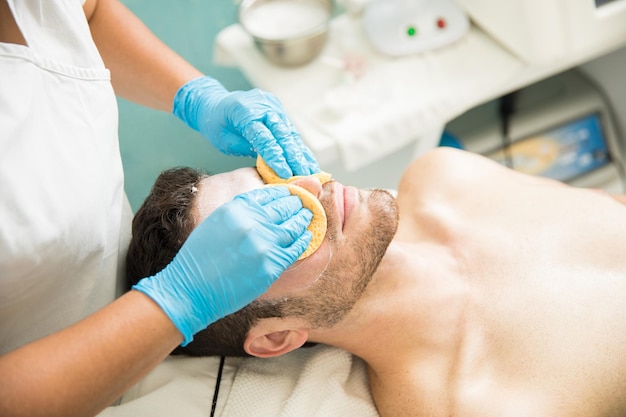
x: 68, y: 346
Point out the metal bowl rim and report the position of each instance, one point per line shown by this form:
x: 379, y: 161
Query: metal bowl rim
x: 316, y: 31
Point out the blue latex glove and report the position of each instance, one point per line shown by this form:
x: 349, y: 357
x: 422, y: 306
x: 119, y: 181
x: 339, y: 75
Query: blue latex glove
x: 244, y: 123
x: 231, y: 258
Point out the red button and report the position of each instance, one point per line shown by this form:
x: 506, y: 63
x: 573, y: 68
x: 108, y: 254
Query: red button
x: 441, y: 23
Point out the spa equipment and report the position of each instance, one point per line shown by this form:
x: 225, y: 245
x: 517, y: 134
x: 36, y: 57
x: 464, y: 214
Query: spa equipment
x: 404, y: 27
x: 561, y: 128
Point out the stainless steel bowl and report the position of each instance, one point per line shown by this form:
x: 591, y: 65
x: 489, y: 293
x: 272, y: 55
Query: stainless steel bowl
x: 288, y: 32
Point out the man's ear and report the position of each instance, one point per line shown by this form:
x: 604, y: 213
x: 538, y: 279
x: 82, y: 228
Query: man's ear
x: 272, y: 337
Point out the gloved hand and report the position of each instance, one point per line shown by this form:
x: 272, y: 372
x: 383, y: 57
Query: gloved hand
x: 244, y: 123
x: 231, y: 258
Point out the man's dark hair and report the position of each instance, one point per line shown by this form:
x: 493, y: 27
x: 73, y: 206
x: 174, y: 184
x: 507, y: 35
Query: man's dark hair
x: 160, y: 227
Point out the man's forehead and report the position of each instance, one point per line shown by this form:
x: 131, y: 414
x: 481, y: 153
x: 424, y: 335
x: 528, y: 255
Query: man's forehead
x: 219, y: 189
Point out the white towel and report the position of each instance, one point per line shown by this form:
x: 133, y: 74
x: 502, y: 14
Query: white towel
x: 179, y: 386
x: 321, y: 381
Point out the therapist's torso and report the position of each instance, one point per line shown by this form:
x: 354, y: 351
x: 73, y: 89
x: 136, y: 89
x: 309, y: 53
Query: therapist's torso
x: 64, y: 212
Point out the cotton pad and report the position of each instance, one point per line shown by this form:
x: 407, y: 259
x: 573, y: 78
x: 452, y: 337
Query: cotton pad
x: 319, y: 223
x: 270, y: 177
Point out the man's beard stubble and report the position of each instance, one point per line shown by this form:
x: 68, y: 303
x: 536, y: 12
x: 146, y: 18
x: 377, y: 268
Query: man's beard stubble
x: 330, y: 299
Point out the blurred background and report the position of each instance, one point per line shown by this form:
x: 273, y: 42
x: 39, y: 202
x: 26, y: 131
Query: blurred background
x: 462, y: 91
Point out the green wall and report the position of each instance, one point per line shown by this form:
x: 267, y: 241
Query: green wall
x: 152, y: 141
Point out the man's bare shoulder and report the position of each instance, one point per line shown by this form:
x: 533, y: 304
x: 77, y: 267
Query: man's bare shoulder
x: 447, y: 167
x: 620, y: 198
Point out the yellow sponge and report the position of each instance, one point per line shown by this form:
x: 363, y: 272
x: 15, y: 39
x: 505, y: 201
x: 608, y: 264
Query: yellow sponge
x: 319, y: 223
x: 270, y: 177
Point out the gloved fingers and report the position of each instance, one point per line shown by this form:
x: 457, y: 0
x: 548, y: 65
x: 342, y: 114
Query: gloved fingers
x: 298, y: 156
x: 297, y: 248
x: 266, y: 145
x: 283, y: 258
x: 299, y: 245
x: 293, y: 228
x: 283, y: 209
x: 305, y: 162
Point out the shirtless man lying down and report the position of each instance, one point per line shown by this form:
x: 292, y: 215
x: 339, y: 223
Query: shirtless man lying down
x: 479, y: 291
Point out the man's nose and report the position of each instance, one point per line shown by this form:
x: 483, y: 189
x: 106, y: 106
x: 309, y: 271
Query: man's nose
x: 310, y: 183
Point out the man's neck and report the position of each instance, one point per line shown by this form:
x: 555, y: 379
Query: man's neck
x: 412, y: 310
x: 410, y: 318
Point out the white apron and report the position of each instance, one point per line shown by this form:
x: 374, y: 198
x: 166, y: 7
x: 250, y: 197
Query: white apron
x: 63, y: 211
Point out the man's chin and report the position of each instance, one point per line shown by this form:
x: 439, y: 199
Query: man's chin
x: 384, y: 208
